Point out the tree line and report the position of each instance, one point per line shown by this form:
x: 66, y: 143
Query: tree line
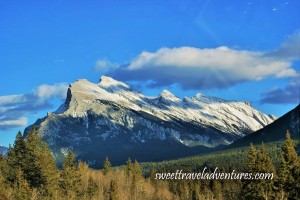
x: 29, y: 172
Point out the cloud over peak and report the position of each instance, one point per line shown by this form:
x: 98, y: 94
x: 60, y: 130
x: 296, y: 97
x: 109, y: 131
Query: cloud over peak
x: 195, y: 68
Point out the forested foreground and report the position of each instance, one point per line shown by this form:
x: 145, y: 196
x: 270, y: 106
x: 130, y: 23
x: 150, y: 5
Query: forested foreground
x: 29, y: 172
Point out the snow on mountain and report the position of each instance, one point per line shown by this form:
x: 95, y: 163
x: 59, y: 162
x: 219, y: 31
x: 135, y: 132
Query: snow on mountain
x: 110, y: 112
x: 229, y: 116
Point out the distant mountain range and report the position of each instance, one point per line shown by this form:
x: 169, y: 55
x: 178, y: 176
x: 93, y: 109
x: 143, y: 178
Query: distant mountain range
x: 3, y: 150
x: 111, y: 119
x: 275, y: 131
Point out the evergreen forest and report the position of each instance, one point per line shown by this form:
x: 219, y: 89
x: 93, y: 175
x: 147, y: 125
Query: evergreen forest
x: 29, y: 172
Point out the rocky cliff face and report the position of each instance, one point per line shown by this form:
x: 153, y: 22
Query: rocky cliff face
x: 110, y: 119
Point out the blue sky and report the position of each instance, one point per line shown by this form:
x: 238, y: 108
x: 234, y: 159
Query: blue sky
x: 236, y: 50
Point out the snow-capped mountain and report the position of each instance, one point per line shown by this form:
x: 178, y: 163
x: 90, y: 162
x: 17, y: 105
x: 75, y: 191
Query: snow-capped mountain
x: 3, y: 150
x: 111, y: 119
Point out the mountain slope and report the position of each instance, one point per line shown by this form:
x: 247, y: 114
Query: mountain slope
x: 274, y: 131
x: 110, y: 119
x: 3, y: 150
x: 273, y: 135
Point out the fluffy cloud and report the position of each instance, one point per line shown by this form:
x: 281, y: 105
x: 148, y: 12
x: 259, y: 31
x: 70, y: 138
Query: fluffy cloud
x: 195, y: 68
x: 289, y: 49
x: 51, y: 91
x: 289, y: 95
x: 14, y: 108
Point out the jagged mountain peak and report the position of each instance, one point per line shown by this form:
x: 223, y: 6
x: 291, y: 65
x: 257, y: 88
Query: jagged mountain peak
x: 107, y: 86
x: 83, y: 95
x: 112, y: 84
x: 167, y: 95
x: 208, y: 99
x: 110, y: 113
x: 79, y: 82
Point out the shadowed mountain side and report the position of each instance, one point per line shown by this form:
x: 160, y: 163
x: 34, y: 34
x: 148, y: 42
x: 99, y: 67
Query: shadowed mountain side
x: 274, y: 131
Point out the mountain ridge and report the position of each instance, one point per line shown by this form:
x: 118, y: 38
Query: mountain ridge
x: 275, y: 131
x: 110, y: 113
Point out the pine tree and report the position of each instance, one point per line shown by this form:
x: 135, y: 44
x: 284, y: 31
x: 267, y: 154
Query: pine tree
x: 259, y: 162
x: 22, y: 190
x: 113, y: 195
x: 107, y: 166
x: 20, y: 150
x: 135, y: 176
x: 33, y: 170
x: 289, y: 175
x: 49, y: 171
x: 91, y: 188
x: 249, y: 186
x: 252, y: 155
x: 3, y: 185
x: 16, y: 157
x: 264, y: 164
x: 217, y: 189
x: 196, y: 190
x: 83, y: 184
x: 129, y: 167
x: 70, y: 179
x: 137, y: 170
x: 283, y: 178
x: 40, y: 170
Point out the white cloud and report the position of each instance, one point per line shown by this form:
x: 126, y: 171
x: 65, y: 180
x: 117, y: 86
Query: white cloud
x: 196, y: 68
x: 52, y: 91
x: 15, y: 108
x: 14, y: 123
x: 11, y: 99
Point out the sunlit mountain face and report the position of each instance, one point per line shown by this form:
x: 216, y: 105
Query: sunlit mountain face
x: 111, y: 119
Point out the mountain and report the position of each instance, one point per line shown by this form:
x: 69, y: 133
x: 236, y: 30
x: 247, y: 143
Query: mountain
x: 275, y: 131
x: 111, y: 119
x: 3, y: 150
